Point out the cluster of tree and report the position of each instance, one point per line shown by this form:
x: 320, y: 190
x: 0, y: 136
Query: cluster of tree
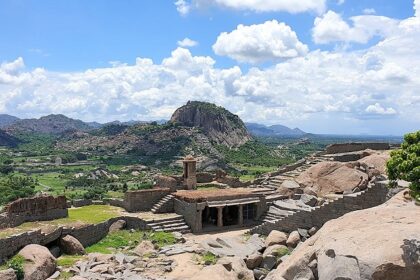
x: 6, y: 167
x: 404, y: 163
x: 13, y: 187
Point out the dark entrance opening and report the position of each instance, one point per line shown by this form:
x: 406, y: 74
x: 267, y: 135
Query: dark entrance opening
x: 230, y: 215
x: 209, y: 217
x: 249, y: 212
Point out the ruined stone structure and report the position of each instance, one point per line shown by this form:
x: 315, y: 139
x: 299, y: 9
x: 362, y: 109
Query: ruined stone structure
x: 209, y: 210
x: 190, y: 173
x: 143, y: 200
x: 372, y: 196
x: 41, y: 208
x: 353, y: 147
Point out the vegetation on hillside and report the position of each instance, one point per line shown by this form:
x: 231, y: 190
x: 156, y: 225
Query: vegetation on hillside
x: 13, y: 187
x: 404, y: 163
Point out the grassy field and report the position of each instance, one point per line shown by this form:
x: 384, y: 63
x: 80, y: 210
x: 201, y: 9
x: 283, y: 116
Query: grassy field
x: 92, y: 214
x: 52, y: 181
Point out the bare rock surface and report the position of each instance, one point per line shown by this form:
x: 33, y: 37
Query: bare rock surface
x: 39, y: 263
x: 377, y: 161
x: 225, y: 246
x: 8, y: 274
x: 385, y: 241
x: 332, y: 177
x: 228, y: 268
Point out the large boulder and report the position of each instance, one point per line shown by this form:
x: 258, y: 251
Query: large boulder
x: 276, y: 237
x: 385, y: 241
x: 289, y: 188
x: 144, y: 248
x: 332, y: 177
x: 71, y: 246
x: 166, y: 182
x: 117, y: 225
x: 39, y: 263
x: 293, y: 239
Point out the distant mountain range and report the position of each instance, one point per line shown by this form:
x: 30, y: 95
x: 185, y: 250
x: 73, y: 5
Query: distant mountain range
x: 273, y: 130
x: 6, y: 120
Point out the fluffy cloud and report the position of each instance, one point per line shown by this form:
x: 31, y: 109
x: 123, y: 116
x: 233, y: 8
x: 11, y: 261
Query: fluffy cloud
x: 187, y: 43
x: 417, y: 8
x: 373, y: 90
x: 182, y: 7
x: 369, y: 11
x: 260, y: 42
x: 379, y: 110
x: 332, y: 28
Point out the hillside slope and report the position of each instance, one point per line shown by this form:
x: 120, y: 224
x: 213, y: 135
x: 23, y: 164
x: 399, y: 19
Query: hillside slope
x: 51, y: 124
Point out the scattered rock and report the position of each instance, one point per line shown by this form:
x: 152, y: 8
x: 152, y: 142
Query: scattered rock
x: 269, y: 262
x: 308, y: 199
x: 312, y: 231
x: 144, y: 248
x: 294, y: 239
x: 276, y: 250
x: 39, y: 262
x: 118, y: 225
x: 254, y: 260
x: 179, y: 237
x: 260, y: 273
x: 71, y: 246
x: 303, y: 233
x: 276, y: 237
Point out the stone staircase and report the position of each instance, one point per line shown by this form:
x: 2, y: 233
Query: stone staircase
x: 173, y: 224
x: 283, y: 208
x: 306, y: 218
x: 165, y: 205
x: 275, y: 182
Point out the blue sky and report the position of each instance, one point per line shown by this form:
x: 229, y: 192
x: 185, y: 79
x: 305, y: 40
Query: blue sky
x: 50, y: 51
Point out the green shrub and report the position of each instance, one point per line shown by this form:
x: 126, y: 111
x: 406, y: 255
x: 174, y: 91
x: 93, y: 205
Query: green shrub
x: 404, y: 163
x: 209, y: 258
x: 16, y: 263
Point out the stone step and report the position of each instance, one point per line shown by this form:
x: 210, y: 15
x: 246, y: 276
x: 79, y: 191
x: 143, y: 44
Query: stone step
x: 169, y: 225
x: 160, y: 223
x: 176, y: 228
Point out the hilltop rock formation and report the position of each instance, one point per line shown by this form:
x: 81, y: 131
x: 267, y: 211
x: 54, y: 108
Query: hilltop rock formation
x: 217, y: 123
x: 376, y: 243
x: 51, y: 124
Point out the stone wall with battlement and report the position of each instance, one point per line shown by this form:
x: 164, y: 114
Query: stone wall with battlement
x: 41, y: 208
x: 143, y: 200
x: 354, y: 147
x: 373, y: 196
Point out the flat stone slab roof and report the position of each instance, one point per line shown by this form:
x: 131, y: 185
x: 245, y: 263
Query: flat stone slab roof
x: 214, y: 194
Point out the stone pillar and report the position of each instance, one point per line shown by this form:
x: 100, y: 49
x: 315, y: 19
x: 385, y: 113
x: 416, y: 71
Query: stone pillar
x: 240, y: 215
x: 220, y: 216
x: 190, y: 174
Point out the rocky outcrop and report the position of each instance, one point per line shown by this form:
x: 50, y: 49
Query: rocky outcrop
x: 333, y: 177
x: 39, y: 263
x: 376, y: 161
x: 217, y: 123
x: 8, y: 274
x: 377, y: 243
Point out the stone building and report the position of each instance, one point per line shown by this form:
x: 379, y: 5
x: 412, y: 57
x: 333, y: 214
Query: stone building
x: 206, y: 210
x: 190, y: 172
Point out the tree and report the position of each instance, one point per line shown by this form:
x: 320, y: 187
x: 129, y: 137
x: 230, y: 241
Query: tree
x: 404, y: 163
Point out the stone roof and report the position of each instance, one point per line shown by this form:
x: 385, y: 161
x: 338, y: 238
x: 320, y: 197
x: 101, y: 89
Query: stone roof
x: 214, y: 194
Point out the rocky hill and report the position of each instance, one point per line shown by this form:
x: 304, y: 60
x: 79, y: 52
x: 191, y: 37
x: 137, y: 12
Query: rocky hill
x: 51, y: 124
x: 7, y: 140
x: 273, y: 130
x: 217, y: 123
x: 6, y: 120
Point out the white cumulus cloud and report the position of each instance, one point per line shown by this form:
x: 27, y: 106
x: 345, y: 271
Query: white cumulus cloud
x: 417, y: 8
x: 380, y: 110
x: 187, y: 43
x: 260, y: 42
x: 332, y: 28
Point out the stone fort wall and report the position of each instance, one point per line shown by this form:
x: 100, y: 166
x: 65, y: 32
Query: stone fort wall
x: 373, y: 196
x: 41, y: 208
x: 143, y: 200
x: 353, y: 147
